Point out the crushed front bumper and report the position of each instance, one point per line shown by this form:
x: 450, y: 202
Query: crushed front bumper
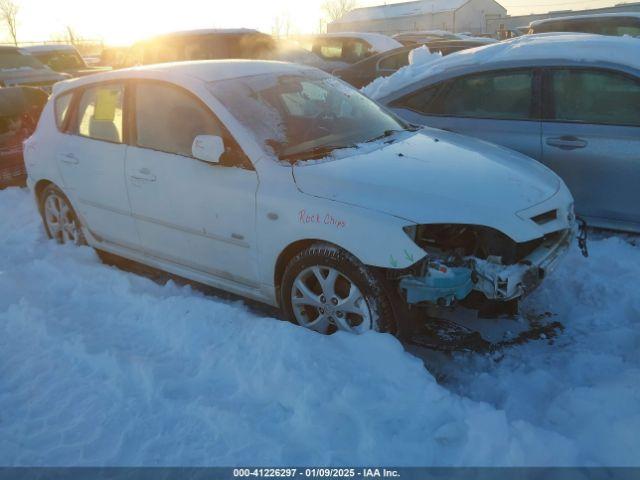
x: 501, y: 282
x: 442, y: 285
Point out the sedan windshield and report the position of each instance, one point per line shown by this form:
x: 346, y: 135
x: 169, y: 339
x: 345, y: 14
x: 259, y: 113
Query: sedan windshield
x: 13, y: 59
x: 62, y: 61
x: 306, y: 115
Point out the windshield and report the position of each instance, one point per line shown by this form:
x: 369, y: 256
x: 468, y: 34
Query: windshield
x: 61, y: 61
x: 12, y: 59
x: 305, y: 115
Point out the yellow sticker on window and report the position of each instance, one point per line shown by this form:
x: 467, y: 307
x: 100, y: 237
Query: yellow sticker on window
x: 107, y: 100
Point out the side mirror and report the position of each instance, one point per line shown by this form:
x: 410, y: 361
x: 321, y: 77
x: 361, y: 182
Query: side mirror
x: 208, y: 148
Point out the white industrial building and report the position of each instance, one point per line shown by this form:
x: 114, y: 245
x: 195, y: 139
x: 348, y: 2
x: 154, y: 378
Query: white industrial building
x: 451, y: 15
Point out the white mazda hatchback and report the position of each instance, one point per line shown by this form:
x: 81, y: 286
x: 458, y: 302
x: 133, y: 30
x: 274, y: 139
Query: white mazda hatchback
x: 280, y: 183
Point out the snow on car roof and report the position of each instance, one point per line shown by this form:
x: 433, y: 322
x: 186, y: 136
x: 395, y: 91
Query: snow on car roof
x: 204, y: 70
x: 380, y: 43
x: 404, y: 9
x: 49, y: 48
x: 545, y: 46
x: 581, y: 17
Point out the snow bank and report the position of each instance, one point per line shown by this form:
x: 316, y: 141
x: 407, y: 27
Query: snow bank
x: 104, y: 367
x: 572, y: 46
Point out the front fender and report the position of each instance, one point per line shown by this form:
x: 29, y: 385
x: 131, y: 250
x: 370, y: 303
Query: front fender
x: 375, y: 238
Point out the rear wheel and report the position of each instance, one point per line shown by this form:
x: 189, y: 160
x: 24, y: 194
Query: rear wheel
x: 59, y: 218
x: 327, y: 289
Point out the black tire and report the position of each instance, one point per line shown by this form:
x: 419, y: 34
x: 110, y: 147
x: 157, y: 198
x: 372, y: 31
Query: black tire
x: 369, y: 282
x: 49, y: 193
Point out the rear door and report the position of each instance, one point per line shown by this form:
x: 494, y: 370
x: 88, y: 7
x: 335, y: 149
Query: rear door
x: 591, y: 138
x: 91, y: 162
x: 501, y: 107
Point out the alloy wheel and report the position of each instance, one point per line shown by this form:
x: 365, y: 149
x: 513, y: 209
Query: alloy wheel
x: 325, y: 300
x: 61, y: 222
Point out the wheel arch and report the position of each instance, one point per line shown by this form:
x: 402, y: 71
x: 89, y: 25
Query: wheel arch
x: 39, y: 188
x: 291, y: 251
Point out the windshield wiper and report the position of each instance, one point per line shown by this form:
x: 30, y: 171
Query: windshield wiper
x: 386, y: 133
x: 315, y: 152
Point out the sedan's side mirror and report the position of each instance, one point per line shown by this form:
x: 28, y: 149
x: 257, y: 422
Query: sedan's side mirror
x: 208, y: 148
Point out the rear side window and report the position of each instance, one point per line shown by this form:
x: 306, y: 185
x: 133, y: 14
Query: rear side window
x: 495, y: 95
x: 329, y: 49
x: 168, y: 119
x: 100, y: 113
x: 595, y: 96
x: 61, y: 108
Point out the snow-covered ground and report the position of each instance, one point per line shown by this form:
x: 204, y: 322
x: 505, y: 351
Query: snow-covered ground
x: 103, y: 367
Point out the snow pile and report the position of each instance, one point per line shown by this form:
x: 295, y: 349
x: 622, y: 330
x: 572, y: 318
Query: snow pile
x: 571, y: 46
x: 104, y: 367
x: 422, y: 56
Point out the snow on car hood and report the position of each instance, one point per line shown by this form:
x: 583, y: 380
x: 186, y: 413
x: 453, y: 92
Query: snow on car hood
x: 433, y: 176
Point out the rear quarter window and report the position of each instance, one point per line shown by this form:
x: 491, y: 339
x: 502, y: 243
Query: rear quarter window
x: 61, y: 108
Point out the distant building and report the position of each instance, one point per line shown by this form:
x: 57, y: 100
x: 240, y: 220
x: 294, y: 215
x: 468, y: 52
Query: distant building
x: 450, y: 15
x: 514, y: 22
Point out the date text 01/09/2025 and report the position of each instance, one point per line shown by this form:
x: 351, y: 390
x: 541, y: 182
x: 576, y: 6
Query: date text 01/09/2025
x: 316, y: 472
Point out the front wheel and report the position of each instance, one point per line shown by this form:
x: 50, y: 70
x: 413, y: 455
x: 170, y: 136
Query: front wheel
x: 59, y: 218
x: 327, y: 289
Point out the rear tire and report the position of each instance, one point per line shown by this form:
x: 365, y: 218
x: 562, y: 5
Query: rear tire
x: 326, y: 289
x: 59, y: 218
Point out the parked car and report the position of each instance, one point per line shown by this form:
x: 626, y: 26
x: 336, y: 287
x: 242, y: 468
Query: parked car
x: 213, y: 44
x: 112, y: 57
x: 20, y: 109
x: 615, y: 24
x: 386, y: 63
x: 205, y: 44
x: 345, y: 48
x: 17, y: 67
x: 263, y: 179
x: 62, y: 59
x: 571, y: 101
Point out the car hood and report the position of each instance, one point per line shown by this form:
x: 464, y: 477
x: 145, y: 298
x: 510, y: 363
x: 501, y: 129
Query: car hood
x: 17, y: 76
x: 433, y: 176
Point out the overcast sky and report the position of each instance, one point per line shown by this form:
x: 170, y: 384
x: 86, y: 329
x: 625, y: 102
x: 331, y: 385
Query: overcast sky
x: 124, y: 21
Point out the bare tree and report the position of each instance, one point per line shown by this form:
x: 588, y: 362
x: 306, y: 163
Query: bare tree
x: 335, y: 9
x: 9, y: 15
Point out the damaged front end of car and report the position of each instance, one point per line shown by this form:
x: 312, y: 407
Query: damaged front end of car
x: 462, y: 259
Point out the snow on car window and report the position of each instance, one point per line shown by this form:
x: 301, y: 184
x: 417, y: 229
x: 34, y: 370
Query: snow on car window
x: 304, y: 115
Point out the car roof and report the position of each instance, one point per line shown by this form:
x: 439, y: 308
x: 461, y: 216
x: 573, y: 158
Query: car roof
x: 49, y: 48
x: 544, y: 47
x: 586, y: 17
x: 206, y: 32
x: 186, y: 72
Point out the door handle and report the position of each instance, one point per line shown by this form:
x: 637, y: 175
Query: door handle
x: 567, y: 142
x: 145, y: 175
x: 69, y: 158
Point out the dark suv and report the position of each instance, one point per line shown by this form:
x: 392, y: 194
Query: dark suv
x: 19, y: 68
x: 206, y: 44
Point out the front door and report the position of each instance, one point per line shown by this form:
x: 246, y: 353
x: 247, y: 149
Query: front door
x: 591, y: 138
x: 191, y: 213
x: 501, y: 107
